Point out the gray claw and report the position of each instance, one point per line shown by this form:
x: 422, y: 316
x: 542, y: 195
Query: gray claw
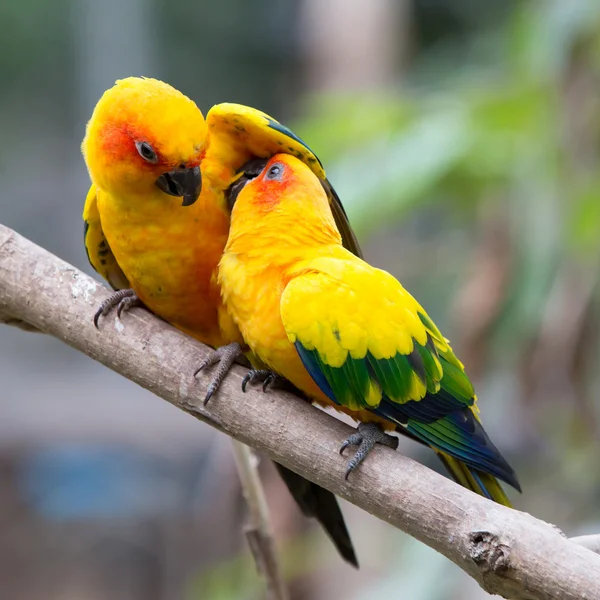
x: 365, y: 438
x: 126, y: 303
x: 257, y: 375
x: 122, y: 299
x: 225, y: 356
x: 354, y: 440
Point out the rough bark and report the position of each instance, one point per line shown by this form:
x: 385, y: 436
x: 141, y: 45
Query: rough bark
x: 258, y: 526
x: 508, y: 552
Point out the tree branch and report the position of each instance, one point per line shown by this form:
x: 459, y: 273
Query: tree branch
x: 258, y: 528
x: 591, y: 542
x: 508, y: 552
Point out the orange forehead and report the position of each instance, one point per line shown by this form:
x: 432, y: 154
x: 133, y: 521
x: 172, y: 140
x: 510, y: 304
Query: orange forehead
x: 118, y: 142
x: 268, y: 192
x: 147, y: 110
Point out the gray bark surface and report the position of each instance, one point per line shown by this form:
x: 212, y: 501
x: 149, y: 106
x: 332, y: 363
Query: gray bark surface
x: 508, y: 552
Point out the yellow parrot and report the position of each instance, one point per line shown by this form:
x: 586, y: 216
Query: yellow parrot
x: 149, y: 153
x: 346, y: 334
x: 156, y: 220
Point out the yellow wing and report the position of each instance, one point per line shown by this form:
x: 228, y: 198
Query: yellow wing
x: 256, y: 133
x: 347, y: 314
x: 250, y: 133
x: 96, y: 245
x: 369, y: 345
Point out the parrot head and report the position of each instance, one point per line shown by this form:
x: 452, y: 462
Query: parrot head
x: 144, y: 135
x: 287, y: 198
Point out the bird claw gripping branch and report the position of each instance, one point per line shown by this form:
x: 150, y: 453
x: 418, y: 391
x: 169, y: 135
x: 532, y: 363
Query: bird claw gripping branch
x: 261, y: 375
x: 366, y: 436
x: 225, y: 356
x: 122, y: 299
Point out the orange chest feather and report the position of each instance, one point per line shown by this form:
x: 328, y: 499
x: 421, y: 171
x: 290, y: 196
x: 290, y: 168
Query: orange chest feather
x: 253, y: 299
x: 170, y: 254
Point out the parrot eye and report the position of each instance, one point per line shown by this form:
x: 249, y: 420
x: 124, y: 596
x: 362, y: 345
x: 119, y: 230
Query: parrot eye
x: 146, y: 152
x: 275, y: 172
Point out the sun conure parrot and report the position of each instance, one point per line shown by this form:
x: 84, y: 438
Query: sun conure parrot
x: 347, y: 334
x: 157, y: 219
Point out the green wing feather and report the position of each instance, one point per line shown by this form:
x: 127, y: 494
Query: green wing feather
x: 371, y: 346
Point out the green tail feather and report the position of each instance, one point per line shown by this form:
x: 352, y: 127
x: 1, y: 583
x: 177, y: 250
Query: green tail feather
x: 481, y: 483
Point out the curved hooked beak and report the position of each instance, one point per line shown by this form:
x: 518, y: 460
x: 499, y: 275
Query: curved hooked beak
x: 182, y: 182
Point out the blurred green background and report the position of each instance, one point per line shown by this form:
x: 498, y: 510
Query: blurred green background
x: 463, y: 138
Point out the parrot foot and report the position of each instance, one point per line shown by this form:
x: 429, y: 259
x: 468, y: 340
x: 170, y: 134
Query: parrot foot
x: 225, y: 356
x: 123, y: 300
x: 365, y: 438
x: 257, y: 375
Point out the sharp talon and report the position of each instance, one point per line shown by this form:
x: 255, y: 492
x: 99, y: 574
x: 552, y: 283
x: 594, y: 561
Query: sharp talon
x: 365, y: 438
x: 257, y: 375
x: 209, y: 395
x: 126, y: 304
x: 270, y: 379
x: 354, y: 440
x: 349, y: 468
x: 207, y: 362
x: 247, y: 379
x: 97, y: 317
x: 362, y: 453
x: 122, y: 299
x: 225, y: 357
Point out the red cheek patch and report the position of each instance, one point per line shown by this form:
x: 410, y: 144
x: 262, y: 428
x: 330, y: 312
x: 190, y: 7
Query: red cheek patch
x: 116, y: 143
x: 119, y: 144
x: 268, y: 194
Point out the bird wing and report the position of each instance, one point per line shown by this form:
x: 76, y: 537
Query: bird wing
x: 250, y: 133
x: 96, y: 245
x: 369, y: 345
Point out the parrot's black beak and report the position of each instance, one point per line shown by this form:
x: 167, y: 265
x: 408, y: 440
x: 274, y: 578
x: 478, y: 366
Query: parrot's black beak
x: 182, y: 182
x: 248, y: 172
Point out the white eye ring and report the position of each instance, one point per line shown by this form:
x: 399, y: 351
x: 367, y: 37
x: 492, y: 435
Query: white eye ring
x: 146, y: 152
x: 275, y: 172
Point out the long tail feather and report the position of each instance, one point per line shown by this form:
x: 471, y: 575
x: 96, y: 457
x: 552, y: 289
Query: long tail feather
x: 317, y: 502
x: 460, y: 435
x: 481, y: 483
